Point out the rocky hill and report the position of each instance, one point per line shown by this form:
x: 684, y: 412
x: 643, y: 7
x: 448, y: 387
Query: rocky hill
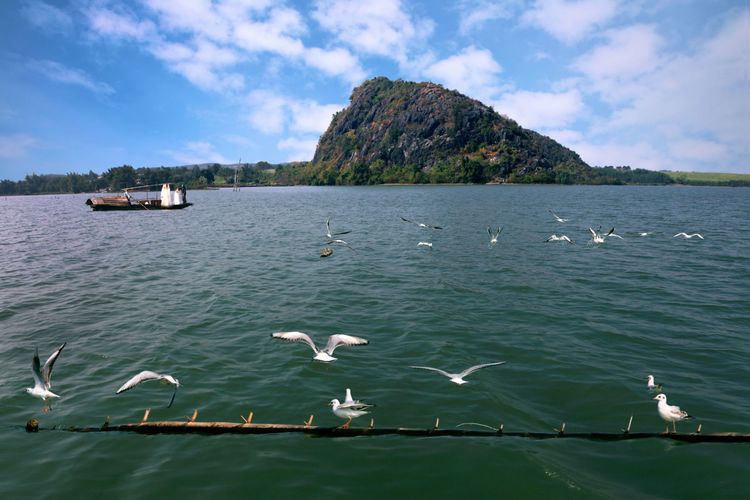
x: 392, y: 128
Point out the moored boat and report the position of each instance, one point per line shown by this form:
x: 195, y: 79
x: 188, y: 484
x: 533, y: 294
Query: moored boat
x: 139, y: 198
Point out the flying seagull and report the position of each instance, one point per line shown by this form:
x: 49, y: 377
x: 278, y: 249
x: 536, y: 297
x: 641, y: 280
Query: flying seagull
x: 596, y: 236
x: 329, y: 234
x: 420, y: 224
x: 555, y: 237
x: 145, y: 376
x: 458, y: 378
x: 325, y: 355
x: 340, y: 242
x: 651, y: 385
x: 688, y: 236
x: 558, y: 218
x: 43, y: 377
x: 494, y: 235
x: 669, y: 413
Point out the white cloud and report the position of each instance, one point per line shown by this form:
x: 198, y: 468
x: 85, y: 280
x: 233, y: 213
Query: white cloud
x: 474, y: 15
x: 382, y: 28
x: 16, y: 145
x: 202, y: 39
x: 299, y: 149
x: 473, y: 72
x: 309, y: 116
x: 277, y: 34
x: 267, y: 111
x: 336, y: 62
x: 541, y: 110
x: 570, y: 20
x: 627, y: 54
x: 197, y: 152
x: 63, y: 74
x: 47, y: 17
x: 108, y: 23
x: 639, y: 154
x: 272, y: 113
x: 691, y: 105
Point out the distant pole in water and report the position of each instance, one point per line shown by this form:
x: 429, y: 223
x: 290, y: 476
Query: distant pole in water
x: 236, y: 186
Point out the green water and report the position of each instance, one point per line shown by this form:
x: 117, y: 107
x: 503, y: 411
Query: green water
x: 196, y: 293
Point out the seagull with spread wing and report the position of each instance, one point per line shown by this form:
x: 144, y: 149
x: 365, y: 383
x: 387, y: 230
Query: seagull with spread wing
x: 330, y: 235
x: 458, y: 378
x: 558, y: 218
x: 146, y: 376
x: 43, y: 377
x: 325, y: 354
x: 420, y: 224
x: 494, y: 235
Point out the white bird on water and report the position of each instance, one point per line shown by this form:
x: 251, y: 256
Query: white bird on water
x: 43, y: 377
x: 597, y: 237
x: 458, y: 378
x: 494, y: 235
x: 146, y: 376
x: 350, y: 409
x: 326, y: 354
x: 425, y: 244
x: 558, y: 218
x: 651, y: 385
x: 669, y: 413
x: 420, y: 224
x: 555, y: 237
x: 688, y: 236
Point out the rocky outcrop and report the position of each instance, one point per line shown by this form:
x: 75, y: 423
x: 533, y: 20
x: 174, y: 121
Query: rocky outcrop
x: 424, y: 125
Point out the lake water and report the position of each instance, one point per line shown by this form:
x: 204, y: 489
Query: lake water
x: 196, y: 293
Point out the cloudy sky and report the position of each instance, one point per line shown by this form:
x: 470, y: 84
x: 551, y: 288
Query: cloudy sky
x: 92, y: 84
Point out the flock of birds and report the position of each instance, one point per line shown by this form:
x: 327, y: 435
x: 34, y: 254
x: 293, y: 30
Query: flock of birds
x: 597, y: 236
x: 349, y: 409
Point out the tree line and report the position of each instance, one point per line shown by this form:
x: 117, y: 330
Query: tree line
x: 456, y: 170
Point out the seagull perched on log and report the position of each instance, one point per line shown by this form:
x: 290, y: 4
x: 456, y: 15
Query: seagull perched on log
x: 494, y: 235
x: 420, y: 224
x: 688, y: 236
x: 669, y: 413
x: 146, y: 376
x: 458, y: 378
x: 326, y: 354
x: 557, y: 217
x: 350, y: 409
x: 43, y: 377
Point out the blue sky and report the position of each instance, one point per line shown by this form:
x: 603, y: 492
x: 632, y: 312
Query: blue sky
x: 93, y: 84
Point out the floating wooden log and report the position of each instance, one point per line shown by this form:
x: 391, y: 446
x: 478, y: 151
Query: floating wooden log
x: 211, y: 428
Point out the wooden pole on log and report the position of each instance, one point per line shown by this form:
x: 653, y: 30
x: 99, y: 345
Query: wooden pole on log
x: 192, y: 427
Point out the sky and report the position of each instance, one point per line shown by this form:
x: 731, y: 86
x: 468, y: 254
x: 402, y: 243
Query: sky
x: 93, y: 84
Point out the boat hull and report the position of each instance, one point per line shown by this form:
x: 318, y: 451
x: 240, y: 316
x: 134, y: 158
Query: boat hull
x: 102, y: 204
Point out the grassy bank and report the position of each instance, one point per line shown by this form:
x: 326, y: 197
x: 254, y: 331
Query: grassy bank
x: 709, y: 178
